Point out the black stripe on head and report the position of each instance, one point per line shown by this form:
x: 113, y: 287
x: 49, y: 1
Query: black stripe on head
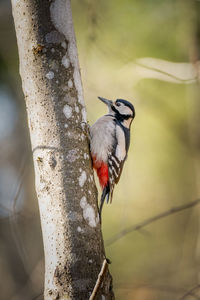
x: 120, y: 117
x: 127, y: 103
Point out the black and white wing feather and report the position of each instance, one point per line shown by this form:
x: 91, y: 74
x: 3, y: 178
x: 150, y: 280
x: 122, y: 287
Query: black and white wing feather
x: 117, y: 158
x: 115, y: 169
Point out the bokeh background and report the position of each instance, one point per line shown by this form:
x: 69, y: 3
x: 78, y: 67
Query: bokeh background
x: 147, y: 52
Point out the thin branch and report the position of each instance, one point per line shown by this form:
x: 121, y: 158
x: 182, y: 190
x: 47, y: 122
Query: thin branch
x: 139, y: 226
x: 15, y: 231
x: 191, y: 293
x: 190, y: 80
x: 3, y: 207
x: 99, y: 280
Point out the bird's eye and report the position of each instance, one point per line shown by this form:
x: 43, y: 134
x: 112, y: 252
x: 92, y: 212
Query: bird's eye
x: 118, y: 103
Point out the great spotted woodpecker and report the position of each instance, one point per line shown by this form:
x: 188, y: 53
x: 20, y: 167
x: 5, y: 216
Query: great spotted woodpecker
x: 109, y: 144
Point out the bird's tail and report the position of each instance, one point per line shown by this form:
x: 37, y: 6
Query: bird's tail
x: 105, y: 195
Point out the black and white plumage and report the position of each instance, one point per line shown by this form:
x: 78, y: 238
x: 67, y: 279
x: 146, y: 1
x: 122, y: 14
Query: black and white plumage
x: 109, y: 144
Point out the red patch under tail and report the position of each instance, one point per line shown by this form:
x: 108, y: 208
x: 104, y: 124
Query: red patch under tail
x: 102, y: 172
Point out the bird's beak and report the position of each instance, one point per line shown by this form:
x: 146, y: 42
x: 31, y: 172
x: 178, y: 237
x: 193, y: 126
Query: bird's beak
x: 106, y: 101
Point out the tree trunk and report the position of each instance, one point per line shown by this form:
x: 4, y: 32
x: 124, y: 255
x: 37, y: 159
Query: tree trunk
x: 49, y: 68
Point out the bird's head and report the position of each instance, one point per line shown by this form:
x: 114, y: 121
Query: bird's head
x: 121, y: 109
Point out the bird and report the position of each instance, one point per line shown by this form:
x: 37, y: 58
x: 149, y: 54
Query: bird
x: 109, y: 145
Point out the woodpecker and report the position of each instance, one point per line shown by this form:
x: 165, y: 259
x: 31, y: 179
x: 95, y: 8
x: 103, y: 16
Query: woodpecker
x: 109, y: 144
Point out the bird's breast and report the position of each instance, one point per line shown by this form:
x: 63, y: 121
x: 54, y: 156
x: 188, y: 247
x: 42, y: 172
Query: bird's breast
x: 102, y: 135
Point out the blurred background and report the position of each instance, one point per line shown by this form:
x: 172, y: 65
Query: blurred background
x: 147, y: 52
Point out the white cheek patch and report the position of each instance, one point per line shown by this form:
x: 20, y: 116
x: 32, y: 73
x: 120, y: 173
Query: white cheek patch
x: 124, y: 110
x: 121, y: 146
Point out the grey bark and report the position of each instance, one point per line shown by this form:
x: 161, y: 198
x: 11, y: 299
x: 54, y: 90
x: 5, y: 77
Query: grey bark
x: 49, y: 68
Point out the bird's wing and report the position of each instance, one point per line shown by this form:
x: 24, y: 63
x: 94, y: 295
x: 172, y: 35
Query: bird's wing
x: 116, y: 159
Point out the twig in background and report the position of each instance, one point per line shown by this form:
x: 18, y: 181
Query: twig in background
x: 191, y: 293
x: 156, y: 69
x: 139, y: 226
x: 14, y: 226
